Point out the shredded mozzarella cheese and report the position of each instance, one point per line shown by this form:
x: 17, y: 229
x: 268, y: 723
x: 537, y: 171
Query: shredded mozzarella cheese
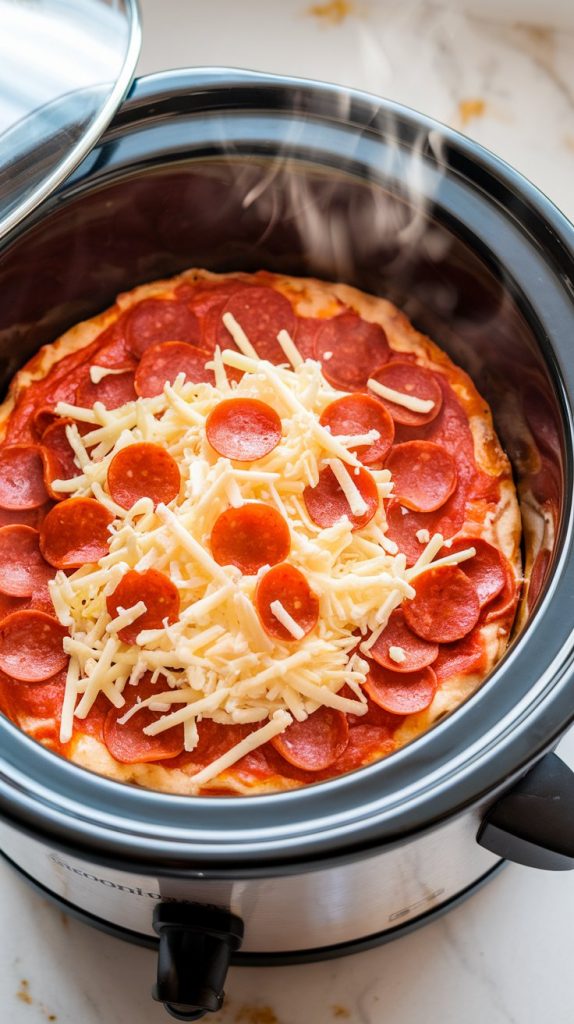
x: 399, y: 398
x: 216, y: 660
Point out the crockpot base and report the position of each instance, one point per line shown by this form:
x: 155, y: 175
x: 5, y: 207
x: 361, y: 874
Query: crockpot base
x: 254, y: 959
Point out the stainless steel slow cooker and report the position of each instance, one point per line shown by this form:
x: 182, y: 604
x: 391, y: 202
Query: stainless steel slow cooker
x: 233, y: 170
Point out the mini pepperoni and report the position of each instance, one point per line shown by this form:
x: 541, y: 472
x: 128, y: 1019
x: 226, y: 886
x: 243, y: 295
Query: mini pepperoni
x: 160, y: 365
x: 288, y: 585
x: 316, y: 743
x: 143, y: 470
x: 243, y: 429
x: 357, y: 414
x: 113, y: 391
x: 75, y: 532
x: 327, y: 504
x: 349, y: 350
x: 249, y: 537
x: 486, y: 568
x: 403, y: 693
x: 31, y: 646
x: 158, y: 593
x: 261, y: 313
x: 21, y: 476
x: 419, y: 653
x: 415, y: 382
x: 424, y: 475
x: 128, y: 743
x: 445, y: 607
x: 23, y: 570
x: 155, y: 320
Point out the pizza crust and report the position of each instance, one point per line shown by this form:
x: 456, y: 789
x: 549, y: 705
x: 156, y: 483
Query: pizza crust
x: 310, y: 297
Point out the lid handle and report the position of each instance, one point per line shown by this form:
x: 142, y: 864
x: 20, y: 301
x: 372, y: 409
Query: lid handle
x: 533, y: 823
x: 196, y: 943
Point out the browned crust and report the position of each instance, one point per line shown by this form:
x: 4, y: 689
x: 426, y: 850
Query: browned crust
x: 310, y: 297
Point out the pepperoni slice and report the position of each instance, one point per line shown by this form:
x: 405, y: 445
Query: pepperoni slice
x: 143, y: 470
x: 23, y: 570
x: 11, y: 604
x: 461, y: 658
x: 350, y: 349
x: 357, y: 414
x: 486, y: 568
x: 538, y: 576
x: 113, y: 352
x: 261, y: 313
x: 424, y: 475
x: 38, y: 700
x: 415, y: 382
x: 306, y: 331
x: 445, y: 607
x: 21, y: 476
x: 160, y: 365
x: 316, y: 743
x: 288, y: 585
x: 43, y: 418
x: 31, y: 646
x: 403, y: 693
x: 249, y: 537
x: 61, y: 454
x: 113, y: 391
x: 25, y: 516
x: 505, y: 604
x: 419, y: 653
x: 208, y: 304
x: 243, y: 429
x: 58, y: 456
x: 326, y: 503
x: 75, y: 532
x: 128, y: 743
x: 158, y: 593
x: 155, y: 320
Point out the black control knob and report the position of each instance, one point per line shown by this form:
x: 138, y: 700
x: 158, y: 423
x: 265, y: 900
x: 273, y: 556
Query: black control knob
x: 196, y: 943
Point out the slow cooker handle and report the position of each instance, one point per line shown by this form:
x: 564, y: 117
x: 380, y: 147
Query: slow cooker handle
x: 533, y: 823
x: 195, y: 947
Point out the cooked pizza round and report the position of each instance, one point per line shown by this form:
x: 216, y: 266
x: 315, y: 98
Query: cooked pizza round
x: 256, y: 531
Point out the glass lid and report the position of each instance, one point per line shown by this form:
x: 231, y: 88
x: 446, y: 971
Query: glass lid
x: 65, y: 66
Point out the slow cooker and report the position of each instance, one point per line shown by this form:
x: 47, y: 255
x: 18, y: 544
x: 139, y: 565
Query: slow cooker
x: 235, y: 170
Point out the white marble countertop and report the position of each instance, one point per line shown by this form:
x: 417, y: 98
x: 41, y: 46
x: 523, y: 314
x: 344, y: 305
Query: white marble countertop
x: 503, y: 957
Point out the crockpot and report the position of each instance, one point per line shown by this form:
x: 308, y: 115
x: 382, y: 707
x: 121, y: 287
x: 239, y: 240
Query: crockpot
x: 231, y: 170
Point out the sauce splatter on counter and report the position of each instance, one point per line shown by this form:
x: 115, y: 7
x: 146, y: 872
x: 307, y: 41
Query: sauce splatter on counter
x: 471, y: 109
x: 333, y: 12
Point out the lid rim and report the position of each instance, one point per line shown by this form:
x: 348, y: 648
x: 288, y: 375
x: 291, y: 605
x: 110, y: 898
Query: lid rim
x: 92, y: 135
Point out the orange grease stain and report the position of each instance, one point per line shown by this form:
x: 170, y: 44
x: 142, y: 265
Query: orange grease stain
x: 334, y: 12
x: 469, y: 110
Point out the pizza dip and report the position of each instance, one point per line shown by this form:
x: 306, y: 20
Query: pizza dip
x: 256, y: 532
